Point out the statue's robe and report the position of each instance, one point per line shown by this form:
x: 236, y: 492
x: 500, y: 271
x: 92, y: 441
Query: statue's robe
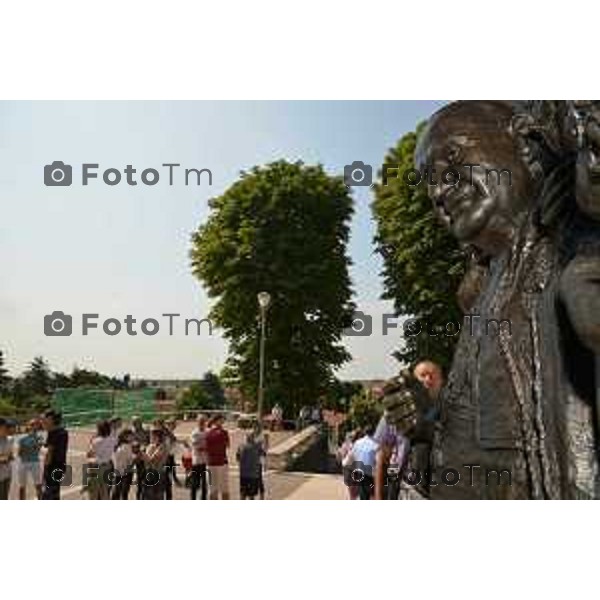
x: 521, y: 399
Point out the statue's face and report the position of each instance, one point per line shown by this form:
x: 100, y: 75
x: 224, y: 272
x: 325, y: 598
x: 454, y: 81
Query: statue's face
x: 588, y: 173
x: 588, y: 156
x: 485, y: 206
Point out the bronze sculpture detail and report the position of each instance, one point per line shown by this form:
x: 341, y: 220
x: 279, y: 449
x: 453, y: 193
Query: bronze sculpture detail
x: 523, y: 397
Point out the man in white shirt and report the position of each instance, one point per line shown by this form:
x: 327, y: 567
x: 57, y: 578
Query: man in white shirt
x: 359, y: 464
x: 277, y: 416
x: 199, y: 460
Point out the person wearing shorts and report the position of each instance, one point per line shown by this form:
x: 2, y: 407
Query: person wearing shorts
x: 217, y: 444
x: 28, y: 450
x: 197, y: 474
x: 249, y: 456
x: 6, y: 458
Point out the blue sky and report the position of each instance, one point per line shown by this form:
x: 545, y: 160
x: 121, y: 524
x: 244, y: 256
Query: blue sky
x: 118, y: 250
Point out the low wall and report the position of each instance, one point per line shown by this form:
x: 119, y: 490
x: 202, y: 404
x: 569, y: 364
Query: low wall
x: 282, y: 455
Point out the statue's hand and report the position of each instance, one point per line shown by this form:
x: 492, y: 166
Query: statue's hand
x: 404, y: 398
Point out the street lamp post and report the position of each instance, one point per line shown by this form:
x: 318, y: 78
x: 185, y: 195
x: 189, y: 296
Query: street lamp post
x: 264, y: 299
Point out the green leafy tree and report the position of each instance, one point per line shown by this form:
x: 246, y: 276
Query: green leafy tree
x: 229, y: 375
x: 5, y: 379
x: 116, y: 382
x: 37, y: 379
x: 340, y: 395
x: 36, y: 405
x: 194, y: 398
x: 60, y: 380
x: 7, y: 408
x: 84, y: 378
x: 365, y: 410
x: 211, y: 384
x: 19, y: 392
x: 282, y: 228
x: 423, y: 263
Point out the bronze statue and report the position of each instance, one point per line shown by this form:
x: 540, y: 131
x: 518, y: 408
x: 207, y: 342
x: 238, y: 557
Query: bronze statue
x: 521, y: 394
x: 580, y: 281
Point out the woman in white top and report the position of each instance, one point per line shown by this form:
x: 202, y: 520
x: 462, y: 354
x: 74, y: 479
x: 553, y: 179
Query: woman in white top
x: 123, y: 463
x: 101, y: 451
x: 156, y: 457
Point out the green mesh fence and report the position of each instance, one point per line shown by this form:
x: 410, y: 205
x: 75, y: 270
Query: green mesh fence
x: 86, y: 406
x: 136, y: 402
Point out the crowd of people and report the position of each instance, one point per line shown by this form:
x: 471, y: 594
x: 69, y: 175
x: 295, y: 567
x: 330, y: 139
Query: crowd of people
x: 306, y: 416
x: 27, y: 448
x: 375, y: 457
x: 121, y: 457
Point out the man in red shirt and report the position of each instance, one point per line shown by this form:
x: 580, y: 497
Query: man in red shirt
x: 217, y: 444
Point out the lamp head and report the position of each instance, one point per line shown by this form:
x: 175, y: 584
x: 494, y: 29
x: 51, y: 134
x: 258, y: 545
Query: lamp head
x: 264, y: 299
